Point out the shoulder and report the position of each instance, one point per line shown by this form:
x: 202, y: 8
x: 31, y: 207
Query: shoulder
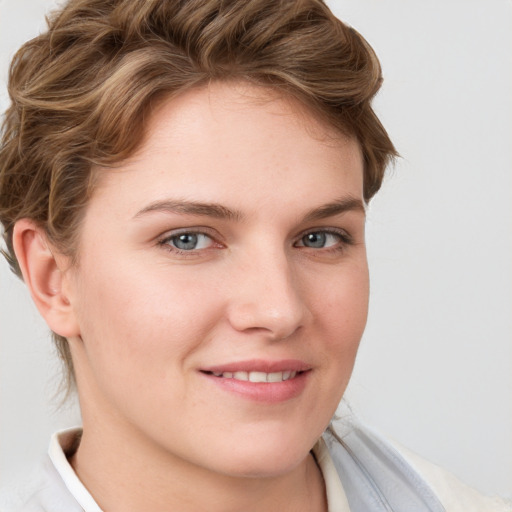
x: 53, y: 486
x: 41, y: 491
x: 399, y: 477
x: 454, y: 494
x: 16, y: 494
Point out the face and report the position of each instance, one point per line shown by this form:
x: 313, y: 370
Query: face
x: 221, y: 290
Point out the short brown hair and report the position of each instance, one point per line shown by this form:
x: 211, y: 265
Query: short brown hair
x: 81, y: 91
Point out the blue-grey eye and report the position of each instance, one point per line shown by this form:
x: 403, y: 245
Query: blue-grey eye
x: 319, y: 240
x: 190, y: 241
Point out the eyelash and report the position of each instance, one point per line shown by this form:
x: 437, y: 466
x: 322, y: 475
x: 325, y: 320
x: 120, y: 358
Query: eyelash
x: 345, y: 239
x: 165, y: 242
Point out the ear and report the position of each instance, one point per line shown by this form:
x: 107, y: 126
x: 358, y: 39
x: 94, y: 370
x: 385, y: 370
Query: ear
x: 44, y: 273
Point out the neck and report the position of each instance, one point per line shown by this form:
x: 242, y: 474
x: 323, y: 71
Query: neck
x: 125, y: 473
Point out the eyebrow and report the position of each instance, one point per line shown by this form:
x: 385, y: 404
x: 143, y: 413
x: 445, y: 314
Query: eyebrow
x: 337, y: 207
x: 215, y: 210
x: 218, y: 211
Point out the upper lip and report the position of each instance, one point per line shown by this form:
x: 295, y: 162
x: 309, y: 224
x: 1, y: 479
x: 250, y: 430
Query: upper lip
x: 260, y: 365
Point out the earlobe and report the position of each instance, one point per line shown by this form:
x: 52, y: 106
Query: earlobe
x: 45, y: 278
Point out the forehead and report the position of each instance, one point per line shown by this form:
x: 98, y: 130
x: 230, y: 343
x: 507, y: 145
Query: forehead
x: 229, y: 137
x: 218, y: 104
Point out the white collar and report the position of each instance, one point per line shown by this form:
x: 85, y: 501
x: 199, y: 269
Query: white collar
x: 61, y: 443
x: 65, y: 441
x: 336, y: 497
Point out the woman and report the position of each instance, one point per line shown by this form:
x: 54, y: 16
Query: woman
x: 184, y: 187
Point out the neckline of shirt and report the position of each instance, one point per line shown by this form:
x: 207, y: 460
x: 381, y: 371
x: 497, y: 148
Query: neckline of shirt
x: 65, y: 442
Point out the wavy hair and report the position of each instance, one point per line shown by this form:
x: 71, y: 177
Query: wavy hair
x: 82, y: 91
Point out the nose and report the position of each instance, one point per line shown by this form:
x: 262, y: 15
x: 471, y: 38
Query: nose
x: 267, y: 297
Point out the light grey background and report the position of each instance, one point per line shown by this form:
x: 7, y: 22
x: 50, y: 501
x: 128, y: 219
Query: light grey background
x: 435, y: 366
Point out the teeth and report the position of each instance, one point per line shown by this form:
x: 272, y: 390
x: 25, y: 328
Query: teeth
x: 257, y: 376
x: 275, y: 377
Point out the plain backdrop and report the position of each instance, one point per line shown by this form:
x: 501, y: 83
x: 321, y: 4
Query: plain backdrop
x: 435, y: 366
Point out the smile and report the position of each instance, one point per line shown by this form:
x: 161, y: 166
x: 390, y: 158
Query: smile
x: 257, y: 376
x: 265, y: 382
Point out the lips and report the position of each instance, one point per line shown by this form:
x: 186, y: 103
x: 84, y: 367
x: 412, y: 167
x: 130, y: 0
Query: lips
x: 261, y: 381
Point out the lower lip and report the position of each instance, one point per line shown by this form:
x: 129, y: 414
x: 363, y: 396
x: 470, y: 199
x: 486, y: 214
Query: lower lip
x: 265, y: 392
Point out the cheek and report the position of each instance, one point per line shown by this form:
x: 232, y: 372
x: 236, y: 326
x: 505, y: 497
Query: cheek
x: 343, y: 301
x: 341, y: 311
x: 138, y: 335
x: 132, y: 318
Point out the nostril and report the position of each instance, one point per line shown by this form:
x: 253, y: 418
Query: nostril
x: 260, y: 319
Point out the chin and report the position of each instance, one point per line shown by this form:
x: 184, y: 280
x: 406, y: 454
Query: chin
x: 268, y: 457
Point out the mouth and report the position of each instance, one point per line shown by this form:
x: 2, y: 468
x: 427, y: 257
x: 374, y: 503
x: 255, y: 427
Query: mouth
x: 256, y: 376
x: 261, y: 381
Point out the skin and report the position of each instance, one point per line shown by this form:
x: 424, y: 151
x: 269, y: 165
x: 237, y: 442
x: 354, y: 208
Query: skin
x: 144, y: 319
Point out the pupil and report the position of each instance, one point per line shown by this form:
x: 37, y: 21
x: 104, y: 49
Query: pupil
x: 316, y: 240
x: 186, y: 241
